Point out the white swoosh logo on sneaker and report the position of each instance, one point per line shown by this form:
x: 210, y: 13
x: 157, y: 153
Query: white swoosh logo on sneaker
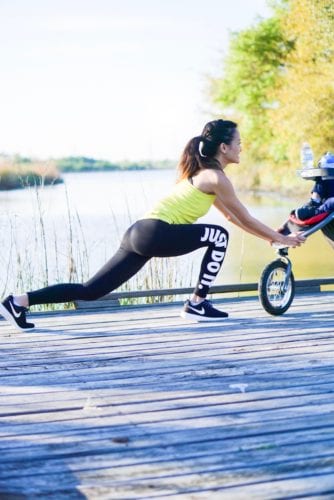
x: 198, y: 311
x: 15, y: 314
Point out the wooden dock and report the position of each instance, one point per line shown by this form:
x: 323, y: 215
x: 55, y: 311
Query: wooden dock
x: 137, y: 403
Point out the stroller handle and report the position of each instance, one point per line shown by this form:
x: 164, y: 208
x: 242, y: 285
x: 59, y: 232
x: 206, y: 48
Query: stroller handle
x: 308, y: 232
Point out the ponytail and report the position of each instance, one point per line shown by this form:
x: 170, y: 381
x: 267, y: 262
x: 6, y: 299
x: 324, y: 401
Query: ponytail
x: 197, y: 154
x: 200, y: 152
x: 190, y: 161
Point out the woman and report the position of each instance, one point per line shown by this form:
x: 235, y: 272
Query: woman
x: 168, y: 230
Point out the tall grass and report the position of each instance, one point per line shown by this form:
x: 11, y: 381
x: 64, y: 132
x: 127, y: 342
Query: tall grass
x: 32, y: 257
x: 44, y: 256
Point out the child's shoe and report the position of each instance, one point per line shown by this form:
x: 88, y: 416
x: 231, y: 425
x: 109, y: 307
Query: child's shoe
x: 308, y: 210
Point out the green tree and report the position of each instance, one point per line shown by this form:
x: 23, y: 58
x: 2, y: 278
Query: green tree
x: 305, y: 94
x: 251, y: 70
x: 278, y: 82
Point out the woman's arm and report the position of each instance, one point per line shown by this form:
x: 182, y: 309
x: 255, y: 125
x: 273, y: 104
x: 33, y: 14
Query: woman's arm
x: 228, y: 203
x: 232, y: 218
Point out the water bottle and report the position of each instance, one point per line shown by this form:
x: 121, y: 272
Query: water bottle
x: 306, y: 156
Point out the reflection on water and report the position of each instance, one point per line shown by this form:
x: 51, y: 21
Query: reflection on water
x: 102, y: 205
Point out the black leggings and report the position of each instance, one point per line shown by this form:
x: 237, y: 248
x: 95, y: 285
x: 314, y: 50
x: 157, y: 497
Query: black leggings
x: 145, y: 239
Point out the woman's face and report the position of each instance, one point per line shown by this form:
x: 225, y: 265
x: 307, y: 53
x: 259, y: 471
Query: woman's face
x: 231, y: 152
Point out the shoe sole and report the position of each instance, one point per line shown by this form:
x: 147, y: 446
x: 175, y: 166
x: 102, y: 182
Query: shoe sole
x: 200, y: 319
x: 6, y: 314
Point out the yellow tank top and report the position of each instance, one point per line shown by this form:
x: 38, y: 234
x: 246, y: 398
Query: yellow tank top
x: 184, y: 205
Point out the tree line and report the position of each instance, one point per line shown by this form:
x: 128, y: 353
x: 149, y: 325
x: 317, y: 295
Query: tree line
x: 277, y: 82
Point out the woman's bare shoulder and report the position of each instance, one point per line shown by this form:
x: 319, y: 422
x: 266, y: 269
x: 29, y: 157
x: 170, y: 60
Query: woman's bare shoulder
x: 210, y: 175
x: 211, y: 180
x: 217, y: 178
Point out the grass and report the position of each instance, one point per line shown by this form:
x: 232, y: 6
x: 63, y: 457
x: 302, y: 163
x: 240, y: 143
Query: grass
x: 43, y: 255
x: 32, y: 256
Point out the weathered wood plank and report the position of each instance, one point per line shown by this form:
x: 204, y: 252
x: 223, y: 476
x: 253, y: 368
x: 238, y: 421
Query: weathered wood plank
x: 233, y: 394
x: 137, y: 403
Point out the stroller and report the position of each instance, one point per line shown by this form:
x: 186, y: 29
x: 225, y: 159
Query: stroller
x: 277, y: 284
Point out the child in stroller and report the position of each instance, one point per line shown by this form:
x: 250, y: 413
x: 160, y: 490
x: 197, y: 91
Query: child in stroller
x: 321, y: 203
x: 277, y: 284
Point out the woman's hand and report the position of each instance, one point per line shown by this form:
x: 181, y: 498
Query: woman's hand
x: 292, y: 240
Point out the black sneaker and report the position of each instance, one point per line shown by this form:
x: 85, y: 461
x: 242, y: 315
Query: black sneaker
x: 202, y: 312
x: 16, y: 315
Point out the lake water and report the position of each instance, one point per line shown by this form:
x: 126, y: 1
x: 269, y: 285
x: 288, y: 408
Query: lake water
x: 67, y: 232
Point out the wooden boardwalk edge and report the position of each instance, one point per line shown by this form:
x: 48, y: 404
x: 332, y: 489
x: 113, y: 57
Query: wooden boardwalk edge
x: 314, y: 285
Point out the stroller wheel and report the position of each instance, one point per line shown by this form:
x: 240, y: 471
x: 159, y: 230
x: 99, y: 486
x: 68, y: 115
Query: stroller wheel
x: 276, y: 288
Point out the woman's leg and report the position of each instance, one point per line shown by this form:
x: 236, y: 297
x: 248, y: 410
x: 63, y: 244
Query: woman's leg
x: 121, y: 267
x: 145, y: 239
x: 170, y: 240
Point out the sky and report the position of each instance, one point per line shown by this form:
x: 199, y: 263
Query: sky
x: 115, y: 80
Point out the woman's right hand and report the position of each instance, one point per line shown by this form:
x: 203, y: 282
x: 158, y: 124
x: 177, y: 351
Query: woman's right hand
x: 292, y: 240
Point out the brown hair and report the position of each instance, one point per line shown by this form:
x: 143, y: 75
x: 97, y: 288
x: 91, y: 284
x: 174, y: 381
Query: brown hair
x: 201, y: 150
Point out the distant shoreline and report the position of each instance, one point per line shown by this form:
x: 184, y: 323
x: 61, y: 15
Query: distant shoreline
x: 85, y: 164
x: 18, y: 172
